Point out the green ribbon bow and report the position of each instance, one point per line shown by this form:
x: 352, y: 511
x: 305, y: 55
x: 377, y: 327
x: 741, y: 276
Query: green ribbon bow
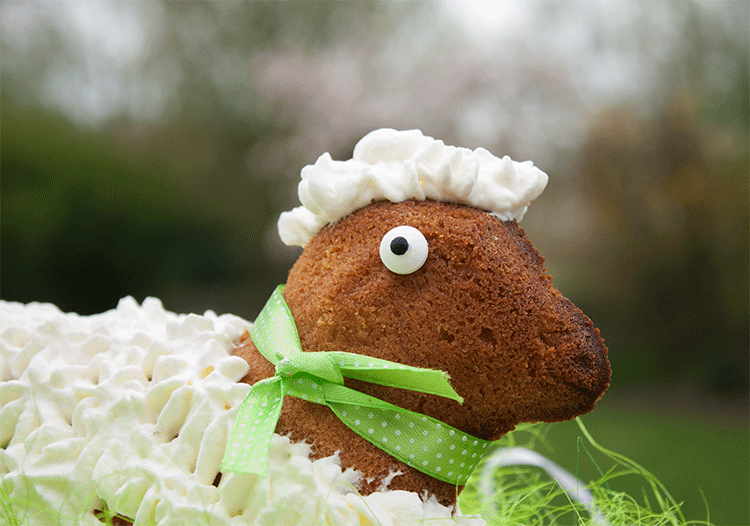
x: 417, y: 440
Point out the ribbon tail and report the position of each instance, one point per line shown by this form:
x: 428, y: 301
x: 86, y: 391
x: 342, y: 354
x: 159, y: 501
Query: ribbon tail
x: 417, y: 440
x: 250, y: 439
x: 383, y: 372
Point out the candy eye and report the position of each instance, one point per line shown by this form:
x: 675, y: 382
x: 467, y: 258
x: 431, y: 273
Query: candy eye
x: 403, y: 249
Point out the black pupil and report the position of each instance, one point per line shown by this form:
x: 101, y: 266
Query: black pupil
x: 399, y: 245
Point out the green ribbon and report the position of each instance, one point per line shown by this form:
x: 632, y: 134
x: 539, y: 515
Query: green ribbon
x: 417, y: 440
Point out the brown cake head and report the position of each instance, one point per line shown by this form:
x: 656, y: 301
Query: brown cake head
x: 469, y: 296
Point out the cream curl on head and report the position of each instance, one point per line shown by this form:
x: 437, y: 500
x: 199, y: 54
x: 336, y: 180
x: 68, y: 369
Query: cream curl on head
x: 391, y: 165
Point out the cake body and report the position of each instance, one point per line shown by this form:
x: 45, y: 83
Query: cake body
x: 130, y: 410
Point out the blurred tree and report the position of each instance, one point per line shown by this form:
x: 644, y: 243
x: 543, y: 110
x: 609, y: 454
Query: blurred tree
x: 671, y: 190
x: 144, y: 198
x: 147, y: 149
x: 674, y: 250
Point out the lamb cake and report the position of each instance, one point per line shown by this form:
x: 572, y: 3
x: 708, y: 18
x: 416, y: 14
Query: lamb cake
x: 413, y: 254
x: 417, y: 326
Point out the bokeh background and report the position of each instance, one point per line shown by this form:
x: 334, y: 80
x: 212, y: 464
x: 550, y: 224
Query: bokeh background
x: 147, y: 149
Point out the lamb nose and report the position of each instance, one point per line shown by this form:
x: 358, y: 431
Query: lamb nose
x: 590, y: 369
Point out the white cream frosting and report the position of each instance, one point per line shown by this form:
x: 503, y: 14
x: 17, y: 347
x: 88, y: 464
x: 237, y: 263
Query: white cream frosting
x: 390, y: 165
x: 131, y: 409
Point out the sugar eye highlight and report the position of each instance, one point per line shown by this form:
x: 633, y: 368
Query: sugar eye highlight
x: 403, y: 249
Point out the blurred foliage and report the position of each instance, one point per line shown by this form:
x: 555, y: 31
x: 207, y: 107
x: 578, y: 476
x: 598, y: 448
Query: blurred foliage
x: 669, y: 189
x: 85, y: 222
x: 170, y: 183
x: 672, y: 224
x: 168, y: 207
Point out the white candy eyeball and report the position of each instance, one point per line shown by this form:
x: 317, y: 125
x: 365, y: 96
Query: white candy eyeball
x: 403, y: 249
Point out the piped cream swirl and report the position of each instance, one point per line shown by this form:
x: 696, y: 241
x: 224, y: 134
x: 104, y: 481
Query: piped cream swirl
x: 390, y: 165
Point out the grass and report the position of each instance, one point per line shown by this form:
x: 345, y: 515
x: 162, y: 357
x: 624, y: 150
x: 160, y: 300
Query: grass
x: 7, y: 514
x: 526, y: 495
x: 700, y: 453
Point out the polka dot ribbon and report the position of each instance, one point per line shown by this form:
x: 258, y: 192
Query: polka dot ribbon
x: 417, y: 440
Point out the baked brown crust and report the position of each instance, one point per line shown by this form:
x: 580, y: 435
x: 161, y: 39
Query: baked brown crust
x: 481, y: 308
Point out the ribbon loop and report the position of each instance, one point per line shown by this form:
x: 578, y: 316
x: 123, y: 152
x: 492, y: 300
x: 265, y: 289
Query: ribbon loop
x: 419, y: 441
